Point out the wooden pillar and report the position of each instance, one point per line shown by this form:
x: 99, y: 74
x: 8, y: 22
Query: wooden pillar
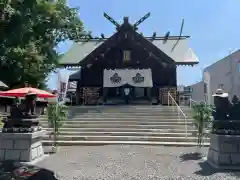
x: 105, y: 92
x: 174, y: 77
x: 78, y: 93
x: 148, y: 93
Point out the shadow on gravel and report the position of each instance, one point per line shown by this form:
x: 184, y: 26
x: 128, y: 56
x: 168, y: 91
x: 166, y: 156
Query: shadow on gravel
x: 191, y: 156
x: 207, y: 170
x: 10, y: 170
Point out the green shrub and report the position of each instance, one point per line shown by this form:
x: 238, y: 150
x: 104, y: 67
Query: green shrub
x: 203, y: 118
x: 1, y: 123
x: 57, y: 114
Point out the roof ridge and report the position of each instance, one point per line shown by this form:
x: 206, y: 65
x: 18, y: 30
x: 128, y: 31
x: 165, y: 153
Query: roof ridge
x: 146, y: 37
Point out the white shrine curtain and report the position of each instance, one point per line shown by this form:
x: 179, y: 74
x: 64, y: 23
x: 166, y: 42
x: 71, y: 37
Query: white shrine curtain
x: 133, y: 77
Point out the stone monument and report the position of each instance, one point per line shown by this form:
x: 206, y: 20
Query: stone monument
x: 224, y: 150
x: 23, y: 147
x: 21, y: 136
x: 30, y: 103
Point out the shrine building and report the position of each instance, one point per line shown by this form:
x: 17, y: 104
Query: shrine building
x: 146, y: 65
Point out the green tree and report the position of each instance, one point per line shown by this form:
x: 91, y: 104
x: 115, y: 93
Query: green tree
x: 30, y: 30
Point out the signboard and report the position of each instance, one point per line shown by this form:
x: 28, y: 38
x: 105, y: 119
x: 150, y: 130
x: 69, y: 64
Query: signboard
x: 62, y: 87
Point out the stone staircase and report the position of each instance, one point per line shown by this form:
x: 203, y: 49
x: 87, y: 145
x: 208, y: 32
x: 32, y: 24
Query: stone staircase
x: 150, y: 125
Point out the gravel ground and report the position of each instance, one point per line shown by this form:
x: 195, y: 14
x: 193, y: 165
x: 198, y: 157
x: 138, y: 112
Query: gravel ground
x: 116, y: 162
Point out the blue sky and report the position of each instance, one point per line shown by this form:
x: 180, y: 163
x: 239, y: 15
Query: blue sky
x: 212, y: 24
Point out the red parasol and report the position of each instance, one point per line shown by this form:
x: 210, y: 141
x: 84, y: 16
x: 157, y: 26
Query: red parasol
x: 21, y: 92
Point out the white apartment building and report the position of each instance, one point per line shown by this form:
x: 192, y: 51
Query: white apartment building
x: 223, y: 74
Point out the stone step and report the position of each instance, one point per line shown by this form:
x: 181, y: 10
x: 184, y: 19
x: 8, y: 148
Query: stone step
x: 128, y: 116
x: 149, y: 114
x: 116, y: 133
x: 125, y: 119
x: 140, y: 113
x: 150, y: 121
x: 147, y: 119
x: 136, y: 122
x: 125, y: 138
x: 100, y: 125
x: 149, y: 125
x: 78, y: 143
x: 114, y: 129
x: 119, y: 116
x: 120, y: 119
x: 129, y: 112
x: 107, y: 107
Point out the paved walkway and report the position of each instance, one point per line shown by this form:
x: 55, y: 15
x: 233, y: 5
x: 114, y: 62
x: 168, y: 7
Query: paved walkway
x: 115, y: 162
x: 118, y: 163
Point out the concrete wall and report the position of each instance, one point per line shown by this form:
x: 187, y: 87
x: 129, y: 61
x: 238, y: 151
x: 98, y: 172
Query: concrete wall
x: 223, y: 74
x: 197, y: 93
x: 207, y: 84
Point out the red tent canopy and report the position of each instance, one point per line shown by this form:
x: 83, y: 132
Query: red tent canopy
x: 21, y: 92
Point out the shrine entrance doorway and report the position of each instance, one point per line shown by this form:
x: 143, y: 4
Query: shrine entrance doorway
x: 134, y: 84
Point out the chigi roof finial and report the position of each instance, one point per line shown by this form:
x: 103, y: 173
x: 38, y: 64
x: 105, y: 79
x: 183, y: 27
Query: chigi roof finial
x: 125, y: 20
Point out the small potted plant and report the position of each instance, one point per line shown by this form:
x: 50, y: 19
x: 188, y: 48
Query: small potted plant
x: 57, y: 114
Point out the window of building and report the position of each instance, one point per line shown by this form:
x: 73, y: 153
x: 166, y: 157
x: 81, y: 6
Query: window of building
x: 206, y: 98
x: 188, y: 89
x: 205, y: 88
x: 126, y: 55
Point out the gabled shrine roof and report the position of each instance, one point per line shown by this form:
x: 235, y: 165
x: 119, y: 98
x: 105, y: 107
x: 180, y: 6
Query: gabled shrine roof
x: 79, y: 51
x: 182, y: 54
